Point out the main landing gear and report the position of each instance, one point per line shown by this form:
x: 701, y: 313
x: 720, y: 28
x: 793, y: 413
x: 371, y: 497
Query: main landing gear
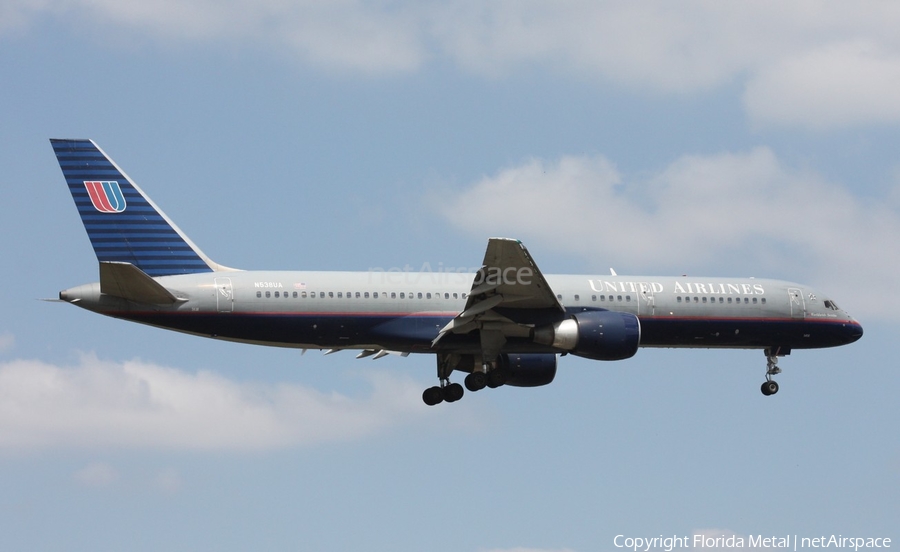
x: 770, y: 386
x: 445, y: 392
x: 491, y: 376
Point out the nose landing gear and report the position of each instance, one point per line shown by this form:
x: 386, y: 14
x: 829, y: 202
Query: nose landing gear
x: 770, y: 386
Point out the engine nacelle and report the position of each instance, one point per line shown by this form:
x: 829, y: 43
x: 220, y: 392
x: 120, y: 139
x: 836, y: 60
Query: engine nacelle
x: 598, y: 335
x: 531, y: 370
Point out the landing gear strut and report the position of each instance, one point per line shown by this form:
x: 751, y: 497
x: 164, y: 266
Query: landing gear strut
x: 446, y: 391
x: 770, y: 386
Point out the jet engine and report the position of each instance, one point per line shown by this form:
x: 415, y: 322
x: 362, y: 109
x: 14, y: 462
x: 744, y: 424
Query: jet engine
x: 531, y: 370
x: 598, y: 335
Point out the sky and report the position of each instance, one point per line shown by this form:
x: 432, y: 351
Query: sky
x: 701, y: 138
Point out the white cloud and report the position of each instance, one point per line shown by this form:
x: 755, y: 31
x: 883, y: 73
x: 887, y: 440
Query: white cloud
x: 741, y: 214
x: 140, y: 405
x: 808, y: 64
x: 346, y: 35
x: 843, y: 84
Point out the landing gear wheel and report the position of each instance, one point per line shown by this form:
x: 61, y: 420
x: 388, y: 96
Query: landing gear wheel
x: 769, y: 388
x: 433, y: 395
x: 476, y: 381
x: 452, y: 392
x: 496, y: 378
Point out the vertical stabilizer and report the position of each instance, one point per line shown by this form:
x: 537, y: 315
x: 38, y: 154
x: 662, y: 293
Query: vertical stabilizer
x: 123, y: 224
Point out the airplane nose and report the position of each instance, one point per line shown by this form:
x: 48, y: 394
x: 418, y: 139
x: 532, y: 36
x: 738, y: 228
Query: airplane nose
x: 853, y: 331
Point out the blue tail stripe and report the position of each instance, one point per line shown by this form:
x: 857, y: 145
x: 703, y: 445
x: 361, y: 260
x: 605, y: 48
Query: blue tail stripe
x: 135, y: 232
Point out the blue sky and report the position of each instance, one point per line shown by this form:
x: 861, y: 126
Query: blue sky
x: 703, y: 139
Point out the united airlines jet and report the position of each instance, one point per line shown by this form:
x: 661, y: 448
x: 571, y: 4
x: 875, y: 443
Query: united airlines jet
x: 505, y: 324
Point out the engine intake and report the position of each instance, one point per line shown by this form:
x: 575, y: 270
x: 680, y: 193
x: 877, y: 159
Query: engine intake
x: 598, y: 335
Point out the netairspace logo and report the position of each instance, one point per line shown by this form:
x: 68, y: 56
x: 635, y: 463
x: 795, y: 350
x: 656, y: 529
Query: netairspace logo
x: 451, y: 275
x: 723, y: 542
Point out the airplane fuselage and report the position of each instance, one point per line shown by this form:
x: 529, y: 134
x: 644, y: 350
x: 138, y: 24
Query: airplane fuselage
x: 405, y: 311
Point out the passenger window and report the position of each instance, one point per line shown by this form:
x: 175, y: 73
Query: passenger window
x: 678, y: 299
x: 455, y: 296
x: 763, y: 300
x: 393, y: 295
x: 276, y: 294
x: 259, y: 294
x: 559, y: 297
x: 340, y: 295
x: 721, y: 300
x: 295, y: 295
x: 268, y: 294
x: 366, y: 295
x: 375, y: 295
x: 321, y: 295
x: 593, y: 297
x: 428, y: 296
x: 576, y: 297
x: 446, y: 295
x: 754, y: 300
x: 704, y: 299
x: 330, y: 295
x: 303, y: 295
x: 619, y: 298
x: 420, y: 295
x: 746, y: 300
x: 402, y: 295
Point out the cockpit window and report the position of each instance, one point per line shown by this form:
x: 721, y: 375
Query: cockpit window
x: 831, y: 304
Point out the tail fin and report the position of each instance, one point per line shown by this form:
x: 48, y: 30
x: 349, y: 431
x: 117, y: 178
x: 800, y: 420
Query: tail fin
x: 123, y: 224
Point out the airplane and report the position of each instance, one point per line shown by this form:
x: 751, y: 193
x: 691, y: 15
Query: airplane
x: 504, y: 324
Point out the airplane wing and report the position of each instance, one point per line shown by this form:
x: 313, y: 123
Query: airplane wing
x: 506, y: 292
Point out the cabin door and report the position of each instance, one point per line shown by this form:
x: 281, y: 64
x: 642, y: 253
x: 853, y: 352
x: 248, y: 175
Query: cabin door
x: 646, y: 301
x: 224, y: 295
x: 798, y: 307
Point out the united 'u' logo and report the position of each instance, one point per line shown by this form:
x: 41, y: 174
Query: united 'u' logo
x: 106, y: 195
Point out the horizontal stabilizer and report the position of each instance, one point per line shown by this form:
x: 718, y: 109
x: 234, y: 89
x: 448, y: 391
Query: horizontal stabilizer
x: 129, y: 282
